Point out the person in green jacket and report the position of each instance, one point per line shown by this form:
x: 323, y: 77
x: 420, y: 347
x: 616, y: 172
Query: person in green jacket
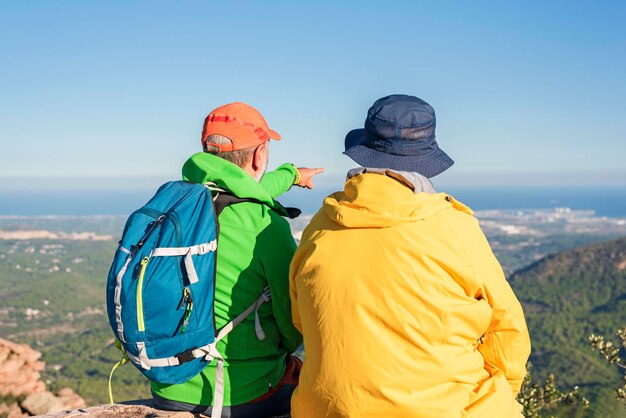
x: 255, y: 248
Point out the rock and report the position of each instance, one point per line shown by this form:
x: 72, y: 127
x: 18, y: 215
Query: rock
x: 66, y: 392
x: 19, y: 369
x: 20, y: 378
x: 31, y: 356
x: 4, y: 353
x: 17, y: 348
x: 41, y: 403
x: 121, y: 411
x: 70, y: 399
x: 33, y: 387
x: 39, y: 386
x: 12, y: 411
x: 131, y: 409
x: 38, y: 365
x: 12, y: 364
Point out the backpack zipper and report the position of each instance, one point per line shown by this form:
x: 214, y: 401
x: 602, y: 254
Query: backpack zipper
x: 139, y: 298
x: 187, y: 300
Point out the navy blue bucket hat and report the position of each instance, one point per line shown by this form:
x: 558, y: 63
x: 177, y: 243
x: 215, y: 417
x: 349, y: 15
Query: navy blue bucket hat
x: 399, y: 134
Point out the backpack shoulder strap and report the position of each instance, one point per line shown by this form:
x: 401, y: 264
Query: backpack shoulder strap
x: 224, y: 199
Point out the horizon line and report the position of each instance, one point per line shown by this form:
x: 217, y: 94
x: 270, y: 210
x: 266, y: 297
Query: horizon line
x: 611, y: 178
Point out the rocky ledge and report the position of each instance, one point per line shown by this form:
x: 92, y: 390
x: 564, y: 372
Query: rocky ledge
x: 22, y: 392
x: 134, y: 409
x: 130, y: 409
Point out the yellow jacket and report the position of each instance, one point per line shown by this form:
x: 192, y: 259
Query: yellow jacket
x: 404, y: 310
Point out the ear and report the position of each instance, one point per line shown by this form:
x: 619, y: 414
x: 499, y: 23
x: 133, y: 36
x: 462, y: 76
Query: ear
x: 259, y: 156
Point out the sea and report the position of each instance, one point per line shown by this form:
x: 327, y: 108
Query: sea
x: 608, y: 202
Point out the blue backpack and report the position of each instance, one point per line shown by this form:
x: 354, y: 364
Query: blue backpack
x: 161, y: 286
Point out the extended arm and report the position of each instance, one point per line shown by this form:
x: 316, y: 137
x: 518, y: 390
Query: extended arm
x: 280, y: 180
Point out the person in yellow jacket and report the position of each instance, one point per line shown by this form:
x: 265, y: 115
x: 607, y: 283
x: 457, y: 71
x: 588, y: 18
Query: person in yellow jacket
x: 404, y: 309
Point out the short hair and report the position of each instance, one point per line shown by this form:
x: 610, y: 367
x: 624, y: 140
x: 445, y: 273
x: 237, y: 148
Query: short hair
x: 239, y: 157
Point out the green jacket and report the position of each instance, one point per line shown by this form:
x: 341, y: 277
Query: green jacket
x: 255, y: 248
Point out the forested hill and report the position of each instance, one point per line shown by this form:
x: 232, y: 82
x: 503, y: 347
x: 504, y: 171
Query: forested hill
x: 566, y: 297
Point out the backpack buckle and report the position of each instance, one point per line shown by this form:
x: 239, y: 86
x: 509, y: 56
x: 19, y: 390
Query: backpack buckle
x: 185, y: 357
x: 207, y: 247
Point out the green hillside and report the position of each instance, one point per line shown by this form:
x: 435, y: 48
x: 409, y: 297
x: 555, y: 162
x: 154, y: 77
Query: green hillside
x: 52, y: 297
x: 566, y: 297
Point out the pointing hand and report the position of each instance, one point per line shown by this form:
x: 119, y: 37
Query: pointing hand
x: 306, y: 176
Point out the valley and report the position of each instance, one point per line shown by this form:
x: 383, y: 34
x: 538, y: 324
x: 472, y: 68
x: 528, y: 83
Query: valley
x: 53, y: 271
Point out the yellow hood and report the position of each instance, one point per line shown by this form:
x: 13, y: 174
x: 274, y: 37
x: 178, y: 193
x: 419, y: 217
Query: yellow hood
x: 377, y: 201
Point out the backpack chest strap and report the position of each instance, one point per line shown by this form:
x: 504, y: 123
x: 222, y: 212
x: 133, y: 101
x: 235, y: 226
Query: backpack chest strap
x: 199, y: 249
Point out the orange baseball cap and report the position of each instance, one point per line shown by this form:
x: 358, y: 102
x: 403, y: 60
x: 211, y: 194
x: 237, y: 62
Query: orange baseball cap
x: 239, y: 122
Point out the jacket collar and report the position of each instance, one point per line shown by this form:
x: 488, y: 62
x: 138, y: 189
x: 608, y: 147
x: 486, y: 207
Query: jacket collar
x: 204, y: 168
x: 415, y: 181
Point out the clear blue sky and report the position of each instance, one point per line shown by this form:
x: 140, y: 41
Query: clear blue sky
x: 525, y: 92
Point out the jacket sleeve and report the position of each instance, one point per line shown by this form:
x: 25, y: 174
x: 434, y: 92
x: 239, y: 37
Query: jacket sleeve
x: 280, y: 248
x: 506, y: 344
x: 280, y: 180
